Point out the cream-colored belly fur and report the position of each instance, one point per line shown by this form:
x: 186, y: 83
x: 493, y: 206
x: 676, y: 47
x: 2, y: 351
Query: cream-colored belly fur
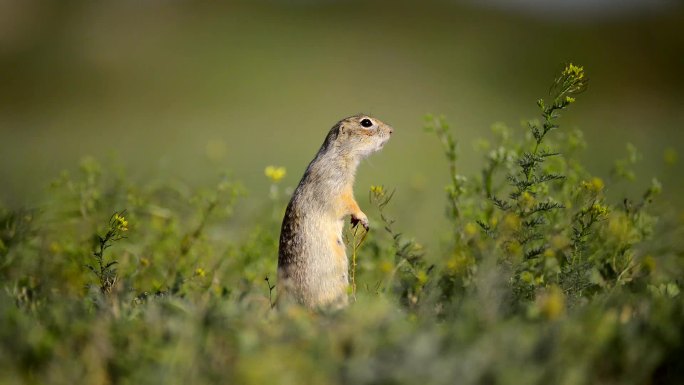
x: 322, y: 273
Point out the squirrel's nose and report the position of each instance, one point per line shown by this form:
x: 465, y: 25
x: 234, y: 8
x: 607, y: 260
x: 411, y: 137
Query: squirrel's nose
x: 391, y: 130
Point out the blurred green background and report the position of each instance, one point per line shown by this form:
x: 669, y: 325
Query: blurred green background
x: 186, y: 90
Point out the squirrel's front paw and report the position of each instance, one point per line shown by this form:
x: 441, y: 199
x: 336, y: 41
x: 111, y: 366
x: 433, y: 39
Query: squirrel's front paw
x: 360, y: 218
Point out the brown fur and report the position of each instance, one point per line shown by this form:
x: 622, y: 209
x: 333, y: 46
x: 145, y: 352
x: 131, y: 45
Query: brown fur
x: 312, y: 262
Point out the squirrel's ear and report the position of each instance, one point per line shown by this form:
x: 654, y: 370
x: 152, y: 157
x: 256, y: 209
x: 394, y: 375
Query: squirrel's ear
x: 341, y: 128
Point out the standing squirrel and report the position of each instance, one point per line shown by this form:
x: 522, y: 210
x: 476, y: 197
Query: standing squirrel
x: 312, y: 262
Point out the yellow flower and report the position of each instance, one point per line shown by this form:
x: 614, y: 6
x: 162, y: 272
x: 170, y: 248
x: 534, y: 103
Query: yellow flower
x: 527, y: 200
x: 552, y: 303
x: 458, y: 263
x: 494, y: 221
x: 570, y: 82
x: 377, y: 194
x: 593, y: 185
x: 386, y: 266
x: 514, y: 248
x: 527, y: 277
x: 512, y: 222
x: 422, y: 277
x: 200, y: 272
x: 574, y: 71
x: 275, y: 174
x: 598, y: 210
x: 597, y: 184
x: 471, y: 229
x: 377, y: 190
x: 120, y: 222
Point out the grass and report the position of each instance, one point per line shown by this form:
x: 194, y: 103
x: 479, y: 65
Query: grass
x: 543, y: 279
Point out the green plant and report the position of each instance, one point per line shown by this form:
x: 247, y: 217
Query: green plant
x: 409, y: 272
x: 106, y: 271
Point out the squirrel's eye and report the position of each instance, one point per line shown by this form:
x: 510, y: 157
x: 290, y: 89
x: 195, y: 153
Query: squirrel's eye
x: 366, y: 123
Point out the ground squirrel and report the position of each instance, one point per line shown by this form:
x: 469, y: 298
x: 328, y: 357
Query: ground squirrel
x: 312, y: 263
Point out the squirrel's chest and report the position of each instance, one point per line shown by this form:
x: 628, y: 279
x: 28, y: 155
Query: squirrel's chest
x: 322, y: 243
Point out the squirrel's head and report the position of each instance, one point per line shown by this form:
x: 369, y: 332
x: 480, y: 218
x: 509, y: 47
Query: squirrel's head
x: 359, y: 135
